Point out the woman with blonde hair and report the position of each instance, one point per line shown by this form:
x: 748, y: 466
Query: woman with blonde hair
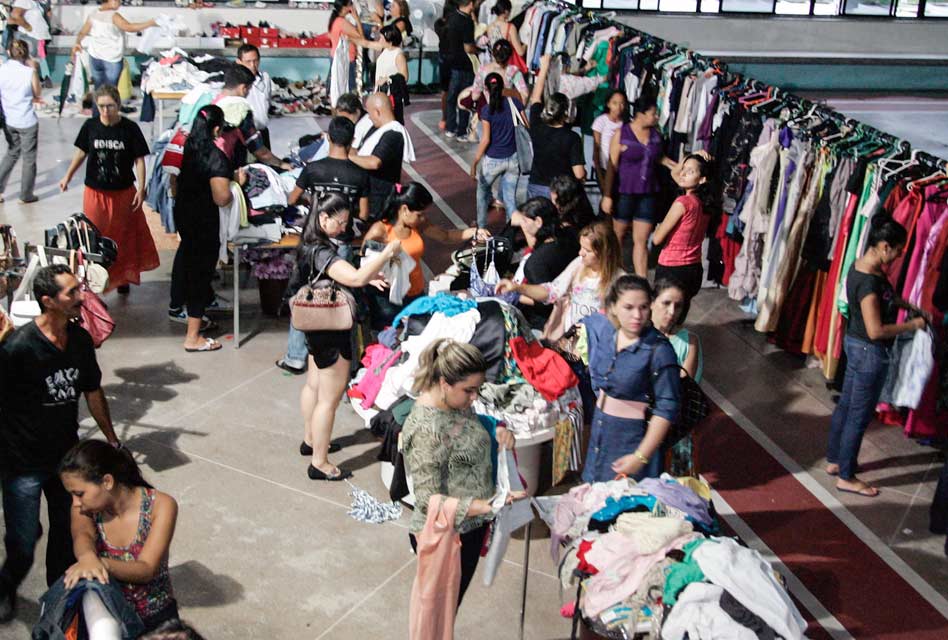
x: 447, y: 450
x: 581, y: 289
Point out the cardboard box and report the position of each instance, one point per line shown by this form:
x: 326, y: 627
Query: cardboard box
x: 269, y: 32
x: 290, y: 43
x: 230, y: 32
x: 250, y: 32
x: 269, y: 43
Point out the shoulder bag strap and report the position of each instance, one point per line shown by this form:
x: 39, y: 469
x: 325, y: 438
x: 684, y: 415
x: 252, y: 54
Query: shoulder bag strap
x: 513, y: 112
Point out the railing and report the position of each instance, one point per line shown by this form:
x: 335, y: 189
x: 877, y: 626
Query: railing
x: 861, y: 8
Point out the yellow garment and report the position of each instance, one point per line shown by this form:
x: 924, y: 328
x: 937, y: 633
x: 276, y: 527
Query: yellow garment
x: 125, y: 82
x: 235, y: 109
x: 700, y: 487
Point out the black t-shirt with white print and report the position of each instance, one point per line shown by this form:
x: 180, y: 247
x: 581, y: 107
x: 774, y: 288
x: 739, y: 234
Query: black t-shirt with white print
x: 40, y: 387
x: 111, y: 152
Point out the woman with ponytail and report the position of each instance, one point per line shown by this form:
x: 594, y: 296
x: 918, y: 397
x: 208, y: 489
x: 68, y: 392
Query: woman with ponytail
x: 121, y: 527
x: 447, y: 450
x: 404, y: 220
x: 497, y: 149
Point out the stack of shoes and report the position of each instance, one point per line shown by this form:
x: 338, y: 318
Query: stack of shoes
x: 309, y: 96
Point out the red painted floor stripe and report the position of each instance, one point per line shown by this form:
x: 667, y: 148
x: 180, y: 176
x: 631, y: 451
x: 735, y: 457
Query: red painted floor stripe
x: 866, y: 595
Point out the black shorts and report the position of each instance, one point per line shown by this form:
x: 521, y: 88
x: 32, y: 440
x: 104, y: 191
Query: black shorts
x: 639, y: 208
x: 327, y: 347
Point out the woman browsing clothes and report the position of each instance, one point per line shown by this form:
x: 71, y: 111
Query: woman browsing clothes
x: 330, y: 352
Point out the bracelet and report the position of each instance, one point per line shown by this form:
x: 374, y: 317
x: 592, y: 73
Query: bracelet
x: 638, y: 455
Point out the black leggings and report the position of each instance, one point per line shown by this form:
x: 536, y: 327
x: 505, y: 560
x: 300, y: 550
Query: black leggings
x: 195, y: 271
x: 689, y: 276
x: 471, y: 544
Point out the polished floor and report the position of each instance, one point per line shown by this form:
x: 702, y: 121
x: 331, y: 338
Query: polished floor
x: 262, y: 552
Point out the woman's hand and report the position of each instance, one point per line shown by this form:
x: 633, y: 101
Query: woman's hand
x: 379, y: 284
x: 64, y: 184
x: 89, y: 568
x: 513, y: 496
x: 240, y: 176
x: 138, y: 199
x: 606, y: 205
x: 481, y: 235
x: 392, y: 248
x: 628, y: 465
x: 474, y: 170
x: 76, y: 48
x: 506, y: 286
x: 505, y: 439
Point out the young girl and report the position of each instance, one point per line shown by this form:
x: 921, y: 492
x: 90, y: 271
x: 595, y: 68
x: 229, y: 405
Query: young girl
x: 604, y: 127
x: 121, y: 528
x: 497, y: 149
x: 404, y: 220
x: 583, y: 285
x: 685, y: 226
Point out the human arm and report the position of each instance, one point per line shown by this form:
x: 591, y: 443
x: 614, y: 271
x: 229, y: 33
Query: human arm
x: 77, y: 159
x: 267, y: 157
x: 131, y: 27
x: 546, y: 293
x: 173, y: 185
x: 513, y: 36
x: 295, y: 195
x: 348, y: 276
x: 369, y: 163
x: 577, y: 158
x: 481, y: 146
x: 401, y: 63
x: 615, y: 149
x: 220, y: 191
x: 872, y: 319
x: 99, y: 409
x: 35, y: 83
x: 454, y: 236
x: 364, y: 208
x: 88, y: 565
x: 672, y: 218
x: 139, y: 196
x: 597, y: 144
x: 694, y: 356
x: 83, y: 32
x: 536, y: 96
x: 18, y: 17
x: 143, y: 570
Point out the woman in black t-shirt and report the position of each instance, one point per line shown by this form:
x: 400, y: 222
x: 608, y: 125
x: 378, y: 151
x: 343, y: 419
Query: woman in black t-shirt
x: 872, y: 327
x: 330, y: 352
x: 203, y: 187
x: 114, y: 146
x: 557, y: 150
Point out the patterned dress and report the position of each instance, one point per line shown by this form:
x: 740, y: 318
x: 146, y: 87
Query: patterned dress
x: 154, y: 602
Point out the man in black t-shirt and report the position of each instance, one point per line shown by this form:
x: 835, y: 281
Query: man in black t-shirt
x: 381, y: 153
x: 457, y: 42
x: 44, y: 368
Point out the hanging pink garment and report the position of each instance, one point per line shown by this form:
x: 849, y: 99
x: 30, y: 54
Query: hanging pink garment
x: 923, y: 227
x: 377, y: 360
x: 434, y: 595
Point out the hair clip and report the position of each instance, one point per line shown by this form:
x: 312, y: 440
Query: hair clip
x: 398, y: 188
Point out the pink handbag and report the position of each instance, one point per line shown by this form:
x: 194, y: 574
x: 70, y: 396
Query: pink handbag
x: 94, y: 316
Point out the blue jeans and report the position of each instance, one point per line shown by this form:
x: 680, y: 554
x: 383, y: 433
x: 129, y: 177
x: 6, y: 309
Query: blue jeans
x: 537, y: 191
x: 103, y: 73
x: 866, y: 367
x: 457, y: 119
x: 21, y: 510
x: 508, y: 170
x: 610, y: 439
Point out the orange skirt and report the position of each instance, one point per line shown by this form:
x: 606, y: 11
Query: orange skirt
x: 111, y: 212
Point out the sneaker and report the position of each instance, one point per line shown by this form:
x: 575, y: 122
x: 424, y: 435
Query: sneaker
x: 218, y: 305
x: 181, y: 316
x: 467, y: 138
x: 450, y: 134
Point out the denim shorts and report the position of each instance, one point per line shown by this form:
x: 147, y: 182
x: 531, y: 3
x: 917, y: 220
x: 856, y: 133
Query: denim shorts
x: 635, y: 207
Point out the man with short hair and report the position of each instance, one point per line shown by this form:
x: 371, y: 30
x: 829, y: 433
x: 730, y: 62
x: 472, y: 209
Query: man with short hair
x: 382, y: 152
x: 260, y: 92
x: 241, y: 134
x: 44, y: 367
x: 334, y: 174
x: 458, y: 43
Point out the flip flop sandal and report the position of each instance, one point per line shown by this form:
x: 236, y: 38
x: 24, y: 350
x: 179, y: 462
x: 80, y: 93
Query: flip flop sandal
x: 861, y: 492
x: 208, y: 346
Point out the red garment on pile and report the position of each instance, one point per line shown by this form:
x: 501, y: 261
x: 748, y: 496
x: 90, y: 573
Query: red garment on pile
x: 545, y: 369
x: 584, y: 566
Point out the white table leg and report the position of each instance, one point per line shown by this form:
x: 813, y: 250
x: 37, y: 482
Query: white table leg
x: 236, y: 296
x: 159, y: 117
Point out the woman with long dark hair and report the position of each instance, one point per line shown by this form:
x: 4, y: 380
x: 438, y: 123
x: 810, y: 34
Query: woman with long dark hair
x: 330, y: 352
x: 122, y: 528
x: 569, y: 196
x: 604, y: 127
x: 203, y: 187
x: 557, y: 150
x: 497, y: 149
x: 629, y: 194
x: 404, y: 220
x: 514, y: 82
x: 685, y: 226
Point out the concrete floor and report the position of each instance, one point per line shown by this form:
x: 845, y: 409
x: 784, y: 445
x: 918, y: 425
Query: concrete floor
x: 261, y: 551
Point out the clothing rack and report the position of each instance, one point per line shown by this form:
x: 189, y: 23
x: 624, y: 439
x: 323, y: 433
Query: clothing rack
x: 56, y: 252
x: 795, y: 103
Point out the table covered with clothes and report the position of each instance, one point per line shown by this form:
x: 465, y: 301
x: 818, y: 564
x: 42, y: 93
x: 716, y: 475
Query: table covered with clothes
x: 647, y: 560
x: 529, y: 388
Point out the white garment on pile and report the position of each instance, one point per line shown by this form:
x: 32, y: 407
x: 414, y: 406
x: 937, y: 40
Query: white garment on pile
x: 744, y: 574
x: 915, y: 369
x: 362, y: 128
x: 510, y: 517
x: 396, y: 272
x: 274, y: 195
x: 339, y: 73
x: 272, y: 232
x: 162, y: 36
x: 650, y: 533
x: 230, y: 220
x: 368, y: 145
x: 698, y: 614
x: 398, y: 380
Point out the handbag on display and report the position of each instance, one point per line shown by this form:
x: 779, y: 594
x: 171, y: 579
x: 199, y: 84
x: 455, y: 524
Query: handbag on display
x: 322, y: 305
x: 522, y: 138
x: 23, y: 309
x: 95, y: 275
x: 94, y: 315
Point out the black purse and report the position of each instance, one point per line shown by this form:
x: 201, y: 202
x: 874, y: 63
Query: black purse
x: 693, y: 407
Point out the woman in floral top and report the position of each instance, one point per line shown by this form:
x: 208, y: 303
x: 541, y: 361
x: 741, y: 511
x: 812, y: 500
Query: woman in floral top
x: 447, y: 450
x: 121, y: 528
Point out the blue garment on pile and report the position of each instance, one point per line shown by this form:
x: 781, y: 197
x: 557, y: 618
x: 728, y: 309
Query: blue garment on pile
x: 447, y: 304
x: 491, y: 425
x: 678, y: 496
x: 59, y: 605
x: 159, y: 185
x: 614, y: 508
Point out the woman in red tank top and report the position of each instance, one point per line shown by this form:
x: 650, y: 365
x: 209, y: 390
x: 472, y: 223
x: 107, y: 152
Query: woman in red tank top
x: 404, y: 219
x: 685, y: 226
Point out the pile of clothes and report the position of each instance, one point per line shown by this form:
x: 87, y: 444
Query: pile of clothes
x: 528, y: 388
x: 302, y: 96
x: 176, y: 70
x: 644, y: 558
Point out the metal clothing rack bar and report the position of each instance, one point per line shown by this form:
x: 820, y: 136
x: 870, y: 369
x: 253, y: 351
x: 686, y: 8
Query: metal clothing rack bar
x: 56, y: 252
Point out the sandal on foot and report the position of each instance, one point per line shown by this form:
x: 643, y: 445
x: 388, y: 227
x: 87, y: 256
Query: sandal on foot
x: 307, y: 450
x: 209, y: 345
x: 867, y: 491
x: 831, y: 473
x: 316, y: 474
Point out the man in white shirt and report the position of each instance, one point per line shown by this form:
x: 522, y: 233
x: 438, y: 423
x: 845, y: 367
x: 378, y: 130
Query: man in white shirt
x: 259, y: 97
x: 28, y: 15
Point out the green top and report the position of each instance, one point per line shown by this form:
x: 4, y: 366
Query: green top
x: 447, y: 452
x: 681, y: 343
x: 681, y: 574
